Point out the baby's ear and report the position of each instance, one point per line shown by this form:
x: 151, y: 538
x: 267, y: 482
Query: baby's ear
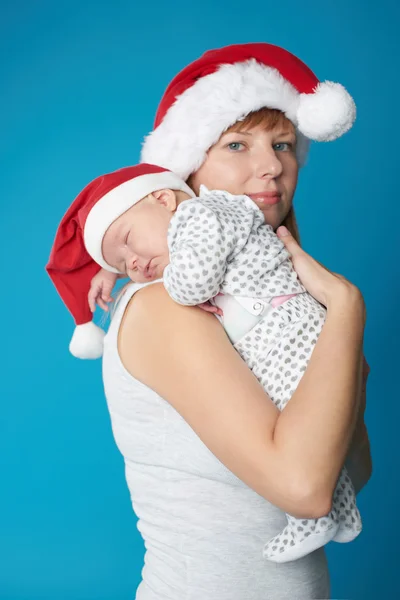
x: 167, y: 198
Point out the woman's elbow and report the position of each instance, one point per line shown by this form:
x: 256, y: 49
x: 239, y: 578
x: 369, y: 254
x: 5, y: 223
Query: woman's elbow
x: 308, y: 503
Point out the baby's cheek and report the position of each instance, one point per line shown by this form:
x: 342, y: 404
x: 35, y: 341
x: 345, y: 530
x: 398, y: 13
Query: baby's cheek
x: 134, y: 276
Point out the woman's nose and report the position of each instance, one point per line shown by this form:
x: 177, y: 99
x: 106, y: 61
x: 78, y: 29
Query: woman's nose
x: 268, y: 164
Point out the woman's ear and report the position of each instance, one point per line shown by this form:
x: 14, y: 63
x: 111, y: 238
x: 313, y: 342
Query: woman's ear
x: 166, y: 198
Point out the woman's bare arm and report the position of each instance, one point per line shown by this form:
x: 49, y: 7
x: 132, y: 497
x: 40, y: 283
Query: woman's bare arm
x: 317, y: 424
x: 291, y: 458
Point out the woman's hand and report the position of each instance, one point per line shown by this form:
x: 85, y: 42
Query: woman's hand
x: 318, y: 281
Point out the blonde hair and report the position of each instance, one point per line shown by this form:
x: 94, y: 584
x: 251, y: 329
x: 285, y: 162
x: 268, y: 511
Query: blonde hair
x: 269, y: 118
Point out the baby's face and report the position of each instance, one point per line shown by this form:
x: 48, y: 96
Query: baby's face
x: 136, y: 243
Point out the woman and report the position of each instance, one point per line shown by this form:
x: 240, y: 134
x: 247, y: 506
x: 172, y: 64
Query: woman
x: 208, y: 457
x: 210, y: 462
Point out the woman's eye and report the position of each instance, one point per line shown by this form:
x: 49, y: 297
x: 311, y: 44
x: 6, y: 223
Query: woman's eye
x: 283, y: 146
x: 235, y: 146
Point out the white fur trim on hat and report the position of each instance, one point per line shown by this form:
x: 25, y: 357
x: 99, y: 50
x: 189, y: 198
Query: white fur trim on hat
x: 120, y: 199
x: 87, y: 341
x: 205, y: 110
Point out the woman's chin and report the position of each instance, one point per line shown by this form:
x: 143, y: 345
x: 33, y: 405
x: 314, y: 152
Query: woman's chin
x: 274, y: 217
x: 272, y: 220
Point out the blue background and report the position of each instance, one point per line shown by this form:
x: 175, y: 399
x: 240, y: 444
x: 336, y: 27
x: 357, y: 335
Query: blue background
x: 79, y: 85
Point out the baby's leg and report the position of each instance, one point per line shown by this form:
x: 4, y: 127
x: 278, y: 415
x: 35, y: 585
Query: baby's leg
x: 344, y: 504
x: 277, y: 350
x: 300, y: 537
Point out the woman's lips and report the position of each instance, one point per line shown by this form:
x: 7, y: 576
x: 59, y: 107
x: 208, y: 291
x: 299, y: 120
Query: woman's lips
x: 268, y: 198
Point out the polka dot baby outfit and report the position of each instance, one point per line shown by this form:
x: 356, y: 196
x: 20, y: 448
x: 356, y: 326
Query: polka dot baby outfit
x: 220, y: 243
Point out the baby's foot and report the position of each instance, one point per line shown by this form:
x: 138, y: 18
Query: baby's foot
x: 300, y: 537
x: 344, y: 503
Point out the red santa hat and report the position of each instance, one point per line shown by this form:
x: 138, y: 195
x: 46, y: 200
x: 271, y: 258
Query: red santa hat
x: 77, y: 255
x: 224, y: 86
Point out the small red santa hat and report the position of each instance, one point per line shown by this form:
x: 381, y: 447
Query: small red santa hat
x: 224, y: 86
x: 76, y: 255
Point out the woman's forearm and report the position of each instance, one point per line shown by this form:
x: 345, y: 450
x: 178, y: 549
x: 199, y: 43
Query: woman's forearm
x: 314, y: 431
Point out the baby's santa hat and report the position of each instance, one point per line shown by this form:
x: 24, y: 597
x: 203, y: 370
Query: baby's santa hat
x: 224, y: 86
x: 77, y: 255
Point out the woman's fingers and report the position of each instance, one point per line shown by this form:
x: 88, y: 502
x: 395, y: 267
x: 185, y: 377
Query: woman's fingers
x: 286, y: 237
x: 315, y: 277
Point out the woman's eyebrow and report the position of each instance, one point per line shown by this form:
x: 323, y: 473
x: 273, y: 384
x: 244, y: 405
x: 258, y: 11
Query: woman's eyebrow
x: 239, y: 132
x: 285, y: 132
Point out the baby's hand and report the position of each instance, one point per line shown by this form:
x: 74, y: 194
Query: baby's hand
x: 100, y: 289
x: 208, y: 307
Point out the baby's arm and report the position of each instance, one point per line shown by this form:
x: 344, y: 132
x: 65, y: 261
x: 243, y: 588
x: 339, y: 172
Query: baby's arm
x: 199, y: 249
x: 101, y: 287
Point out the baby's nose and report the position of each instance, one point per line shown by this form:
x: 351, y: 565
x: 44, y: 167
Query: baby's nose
x: 131, y: 263
x: 140, y: 267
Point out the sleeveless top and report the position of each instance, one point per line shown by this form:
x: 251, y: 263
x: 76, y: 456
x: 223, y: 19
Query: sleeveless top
x: 203, y: 528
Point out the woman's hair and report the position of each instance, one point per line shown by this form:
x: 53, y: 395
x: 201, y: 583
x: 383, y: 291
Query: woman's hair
x: 269, y: 118
x: 291, y: 223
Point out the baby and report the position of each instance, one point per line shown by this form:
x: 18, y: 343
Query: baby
x: 218, y: 246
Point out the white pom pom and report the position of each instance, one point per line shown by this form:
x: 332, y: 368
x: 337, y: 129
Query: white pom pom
x: 87, y: 341
x: 327, y: 113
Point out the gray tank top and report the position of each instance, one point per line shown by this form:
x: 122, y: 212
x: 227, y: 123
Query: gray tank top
x: 203, y: 528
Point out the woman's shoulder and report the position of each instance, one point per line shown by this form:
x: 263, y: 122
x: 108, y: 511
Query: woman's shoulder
x: 145, y: 302
x: 152, y: 304
x: 151, y: 309
x: 152, y: 322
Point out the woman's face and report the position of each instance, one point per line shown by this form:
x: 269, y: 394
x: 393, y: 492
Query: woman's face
x: 256, y: 162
